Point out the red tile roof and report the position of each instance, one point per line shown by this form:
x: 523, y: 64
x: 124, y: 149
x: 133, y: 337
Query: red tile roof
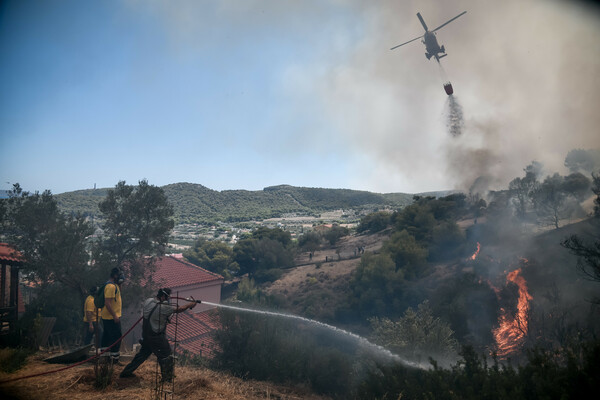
x: 175, y: 272
x: 195, y: 332
x: 203, y: 346
x: 9, y: 255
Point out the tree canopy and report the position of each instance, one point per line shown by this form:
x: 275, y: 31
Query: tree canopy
x: 55, y: 245
x: 65, y: 255
x: 265, y: 250
x: 215, y: 256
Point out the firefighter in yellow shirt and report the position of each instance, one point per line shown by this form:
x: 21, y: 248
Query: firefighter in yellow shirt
x: 90, y: 315
x: 111, y: 313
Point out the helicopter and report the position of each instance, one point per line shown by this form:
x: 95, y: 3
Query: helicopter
x: 429, y: 40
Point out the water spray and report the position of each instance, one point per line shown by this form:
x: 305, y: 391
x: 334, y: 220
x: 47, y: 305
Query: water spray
x: 361, y: 340
x: 454, y: 120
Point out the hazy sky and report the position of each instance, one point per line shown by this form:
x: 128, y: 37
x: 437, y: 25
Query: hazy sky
x: 239, y: 94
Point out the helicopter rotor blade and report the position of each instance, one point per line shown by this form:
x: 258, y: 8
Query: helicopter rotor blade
x: 447, y: 22
x: 412, y: 40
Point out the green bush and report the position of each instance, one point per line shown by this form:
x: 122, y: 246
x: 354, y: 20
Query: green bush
x: 282, y: 351
x: 571, y: 373
x: 375, y: 222
x: 448, y: 242
x: 418, y: 334
x: 408, y: 255
x: 268, y: 275
x: 247, y: 290
x: 377, y: 286
x: 335, y: 233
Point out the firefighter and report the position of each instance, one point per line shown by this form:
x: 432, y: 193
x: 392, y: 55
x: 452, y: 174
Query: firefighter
x: 157, y: 312
x: 90, y: 314
x: 111, y: 313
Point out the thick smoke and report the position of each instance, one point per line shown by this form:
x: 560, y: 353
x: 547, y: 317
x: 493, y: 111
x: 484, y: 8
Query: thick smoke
x: 525, y: 72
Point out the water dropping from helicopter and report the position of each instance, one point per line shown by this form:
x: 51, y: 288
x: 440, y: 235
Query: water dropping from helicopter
x: 454, y: 116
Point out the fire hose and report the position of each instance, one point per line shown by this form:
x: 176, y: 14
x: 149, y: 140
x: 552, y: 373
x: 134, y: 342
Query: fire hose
x: 76, y: 364
x: 190, y: 299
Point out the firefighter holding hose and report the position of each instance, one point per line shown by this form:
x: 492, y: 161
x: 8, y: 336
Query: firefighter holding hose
x: 157, y: 312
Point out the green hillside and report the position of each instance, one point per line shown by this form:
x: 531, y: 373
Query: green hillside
x: 194, y: 203
x: 81, y: 201
x: 327, y: 199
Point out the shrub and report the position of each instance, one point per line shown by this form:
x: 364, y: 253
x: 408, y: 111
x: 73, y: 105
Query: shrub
x: 374, y: 222
x: 268, y: 275
x: 335, y: 233
x: 282, y: 351
x: 247, y: 290
x: 417, y: 334
x: 567, y: 374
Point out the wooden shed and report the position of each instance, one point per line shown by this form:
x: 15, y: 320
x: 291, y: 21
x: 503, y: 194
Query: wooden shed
x: 10, y: 260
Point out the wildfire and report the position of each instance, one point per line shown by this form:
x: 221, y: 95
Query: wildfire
x: 513, y: 329
x: 474, y: 256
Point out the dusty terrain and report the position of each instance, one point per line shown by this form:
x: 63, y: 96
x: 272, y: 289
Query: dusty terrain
x: 193, y: 383
x: 317, y: 286
x: 347, y: 247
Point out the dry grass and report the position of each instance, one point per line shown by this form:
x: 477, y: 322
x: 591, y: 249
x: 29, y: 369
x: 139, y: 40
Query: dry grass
x: 346, y: 247
x: 293, y: 278
x: 317, y: 288
x: 194, y: 383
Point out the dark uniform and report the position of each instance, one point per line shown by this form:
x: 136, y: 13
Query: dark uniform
x: 154, y: 339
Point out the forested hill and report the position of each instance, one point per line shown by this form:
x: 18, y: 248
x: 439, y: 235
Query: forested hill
x: 194, y: 203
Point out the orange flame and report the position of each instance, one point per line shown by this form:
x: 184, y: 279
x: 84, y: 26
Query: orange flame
x: 512, y: 329
x: 474, y: 256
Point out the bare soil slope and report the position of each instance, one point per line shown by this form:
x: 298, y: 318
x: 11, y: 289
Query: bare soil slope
x: 317, y: 286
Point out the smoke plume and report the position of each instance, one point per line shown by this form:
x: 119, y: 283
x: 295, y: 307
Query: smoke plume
x: 525, y: 72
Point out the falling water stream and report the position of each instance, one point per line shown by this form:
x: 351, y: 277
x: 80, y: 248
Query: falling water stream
x: 361, y: 340
x: 455, y: 122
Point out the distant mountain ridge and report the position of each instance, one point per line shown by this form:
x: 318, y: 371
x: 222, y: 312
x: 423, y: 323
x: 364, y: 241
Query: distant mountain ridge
x: 195, y: 203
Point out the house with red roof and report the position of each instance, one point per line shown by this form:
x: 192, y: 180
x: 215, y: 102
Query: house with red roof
x: 195, y: 332
x: 193, y: 329
x: 186, y: 279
